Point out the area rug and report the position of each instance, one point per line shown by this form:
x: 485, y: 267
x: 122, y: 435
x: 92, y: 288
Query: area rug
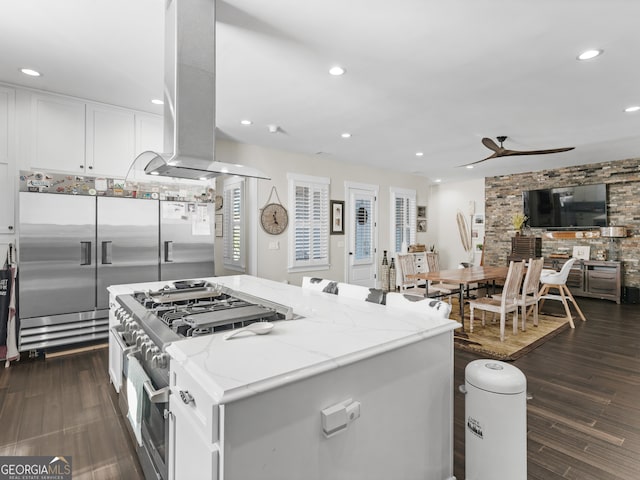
x: 485, y: 341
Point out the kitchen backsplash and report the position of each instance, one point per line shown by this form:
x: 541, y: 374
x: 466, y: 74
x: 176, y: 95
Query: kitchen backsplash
x: 37, y: 181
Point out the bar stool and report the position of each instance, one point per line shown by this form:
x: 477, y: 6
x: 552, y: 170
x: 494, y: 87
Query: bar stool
x: 558, y: 280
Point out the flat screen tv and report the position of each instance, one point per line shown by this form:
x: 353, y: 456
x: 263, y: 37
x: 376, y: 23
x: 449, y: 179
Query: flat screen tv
x: 580, y: 206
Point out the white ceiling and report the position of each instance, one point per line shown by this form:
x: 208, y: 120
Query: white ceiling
x: 422, y: 75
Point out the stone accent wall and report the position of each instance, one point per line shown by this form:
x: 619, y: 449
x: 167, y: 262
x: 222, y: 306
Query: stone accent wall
x: 503, y: 199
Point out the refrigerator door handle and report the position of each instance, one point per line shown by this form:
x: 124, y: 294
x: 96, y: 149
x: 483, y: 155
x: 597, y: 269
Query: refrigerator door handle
x: 85, y: 253
x: 168, y: 251
x: 107, y: 252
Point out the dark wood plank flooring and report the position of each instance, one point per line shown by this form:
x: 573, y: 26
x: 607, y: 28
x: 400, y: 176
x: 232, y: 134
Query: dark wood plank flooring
x: 583, y: 420
x: 67, y: 406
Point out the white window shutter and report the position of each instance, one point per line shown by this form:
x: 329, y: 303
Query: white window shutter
x: 233, y: 231
x: 309, y: 231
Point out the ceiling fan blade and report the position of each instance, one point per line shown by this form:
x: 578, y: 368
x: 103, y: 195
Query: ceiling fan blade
x: 495, y: 155
x: 506, y: 153
x: 490, y: 144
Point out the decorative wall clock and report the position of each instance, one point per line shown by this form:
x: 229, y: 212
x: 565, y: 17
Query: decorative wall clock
x: 274, y: 217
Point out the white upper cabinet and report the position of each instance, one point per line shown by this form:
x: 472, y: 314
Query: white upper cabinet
x: 149, y: 133
x: 63, y: 134
x: 110, y: 140
x: 7, y: 160
x: 57, y: 140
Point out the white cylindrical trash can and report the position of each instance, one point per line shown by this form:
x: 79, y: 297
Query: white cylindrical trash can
x: 496, y: 421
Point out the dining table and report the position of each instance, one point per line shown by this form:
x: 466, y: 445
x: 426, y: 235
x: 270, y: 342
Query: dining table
x: 464, y: 277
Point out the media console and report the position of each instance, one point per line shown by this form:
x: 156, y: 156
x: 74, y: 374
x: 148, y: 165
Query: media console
x: 592, y: 278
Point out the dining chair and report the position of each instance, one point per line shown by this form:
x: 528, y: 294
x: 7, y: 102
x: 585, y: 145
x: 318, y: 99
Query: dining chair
x: 558, y: 281
x: 406, y: 268
x: 508, y: 301
x: 418, y: 304
x: 433, y: 265
x: 530, y: 293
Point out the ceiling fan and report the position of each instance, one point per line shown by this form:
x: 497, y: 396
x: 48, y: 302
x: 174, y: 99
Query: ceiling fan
x: 500, y: 151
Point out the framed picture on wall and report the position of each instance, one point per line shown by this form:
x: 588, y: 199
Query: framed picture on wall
x: 421, y: 225
x: 421, y: 211
x: 337, y: 217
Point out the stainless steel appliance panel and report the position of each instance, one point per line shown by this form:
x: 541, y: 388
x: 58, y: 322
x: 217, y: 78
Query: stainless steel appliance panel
x: 186, y: 240
x: 56, y: 254
x: 127, y: 243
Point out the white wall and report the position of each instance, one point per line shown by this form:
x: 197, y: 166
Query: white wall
x: 442, y: 228
x: 272, y: 264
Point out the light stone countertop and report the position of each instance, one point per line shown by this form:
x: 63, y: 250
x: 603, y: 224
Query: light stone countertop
x: 331, y: 331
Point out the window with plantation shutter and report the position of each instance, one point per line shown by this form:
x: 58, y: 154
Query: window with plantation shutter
x: 403, y: 218
x: 309, y: 223
x: 233, y: 229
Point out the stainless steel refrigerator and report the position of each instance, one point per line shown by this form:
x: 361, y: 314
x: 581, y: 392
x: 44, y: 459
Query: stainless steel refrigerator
x: 71, y: 247
x: 186, y: 240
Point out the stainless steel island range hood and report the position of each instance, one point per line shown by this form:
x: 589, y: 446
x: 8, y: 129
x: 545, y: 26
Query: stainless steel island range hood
x: 189, y: 97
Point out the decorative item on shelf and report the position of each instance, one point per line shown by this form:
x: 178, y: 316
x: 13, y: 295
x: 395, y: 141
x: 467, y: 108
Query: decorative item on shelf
x: 274, y: 217
x: 417, y: 247
x: 392, y: 275
x: 518, y: 222
x: 581, y: 252
x: 384, y: 272
x: 612, y: 233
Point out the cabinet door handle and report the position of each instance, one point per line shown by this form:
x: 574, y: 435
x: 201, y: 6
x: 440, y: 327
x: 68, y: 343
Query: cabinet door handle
x: 85, y: 253
x: 168, y: 251
x: 107, y: 250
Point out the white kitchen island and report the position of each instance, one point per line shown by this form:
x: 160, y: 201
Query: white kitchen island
x: 251, y: 407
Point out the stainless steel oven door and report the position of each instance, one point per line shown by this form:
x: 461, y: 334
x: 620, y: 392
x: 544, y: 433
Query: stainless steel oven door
x: 154, y: 421
x: 155, y: 426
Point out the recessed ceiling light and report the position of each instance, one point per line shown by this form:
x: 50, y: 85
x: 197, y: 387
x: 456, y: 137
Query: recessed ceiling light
x: 589, y: 54
x: 438, y: 180
x: 419, y: 154
x: 336, y: 71
x: 469, y: 166
x: 346, y: 135
x: 157, y: 101
x: 635, y: 108
x: 30, y: 72
x: 246, y: 122
x: 155, y: 173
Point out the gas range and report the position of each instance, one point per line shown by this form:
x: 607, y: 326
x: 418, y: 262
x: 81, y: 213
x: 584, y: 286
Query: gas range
x: 192, y: 308
x: 148, y: 322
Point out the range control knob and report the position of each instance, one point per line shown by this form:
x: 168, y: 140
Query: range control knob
x: 186, y: 397
x: 142, y: 338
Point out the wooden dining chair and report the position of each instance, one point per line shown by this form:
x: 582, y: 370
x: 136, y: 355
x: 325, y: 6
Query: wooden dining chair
x: 530, y: 294
x: 433, y: 265
x: 407, y: 267
x: 508, y: 301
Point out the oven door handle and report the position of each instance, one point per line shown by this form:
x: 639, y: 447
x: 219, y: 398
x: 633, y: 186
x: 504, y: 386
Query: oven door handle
x: 156, y: 396
x: 126, y: 349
